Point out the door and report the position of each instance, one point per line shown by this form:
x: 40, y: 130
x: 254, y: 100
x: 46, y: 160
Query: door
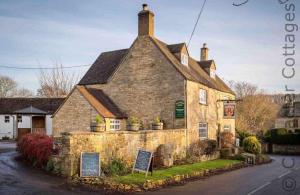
x: 38, y: 124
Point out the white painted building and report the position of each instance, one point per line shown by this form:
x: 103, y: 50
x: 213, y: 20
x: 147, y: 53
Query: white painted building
x: 19, y: 116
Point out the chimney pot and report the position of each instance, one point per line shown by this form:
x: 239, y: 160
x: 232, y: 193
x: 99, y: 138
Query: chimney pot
x: 204, y: 53
x: 145, y: 6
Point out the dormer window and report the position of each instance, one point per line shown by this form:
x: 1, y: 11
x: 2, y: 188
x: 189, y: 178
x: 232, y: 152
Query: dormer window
x: 184, y: 59
x: 212, y: 73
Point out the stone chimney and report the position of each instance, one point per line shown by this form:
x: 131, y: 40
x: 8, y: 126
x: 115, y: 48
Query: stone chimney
x: 204, y: 53
x: 146, y: 22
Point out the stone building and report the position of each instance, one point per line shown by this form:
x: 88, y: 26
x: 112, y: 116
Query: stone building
x: 147, y: 80
x: 289, y: 114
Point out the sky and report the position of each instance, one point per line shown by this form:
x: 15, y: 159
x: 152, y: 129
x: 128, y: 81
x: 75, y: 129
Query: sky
x: 245, y: 41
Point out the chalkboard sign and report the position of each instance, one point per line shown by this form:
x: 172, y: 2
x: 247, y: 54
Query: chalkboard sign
x: 143, y: 161
x: 179, y: 109
x: 90, y: 164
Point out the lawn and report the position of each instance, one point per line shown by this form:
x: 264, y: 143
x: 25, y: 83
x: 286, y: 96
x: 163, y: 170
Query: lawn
x: 139, y: 178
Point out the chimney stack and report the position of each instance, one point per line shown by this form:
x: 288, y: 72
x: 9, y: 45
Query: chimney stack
x: 204, y: 53
x: 146, y: 22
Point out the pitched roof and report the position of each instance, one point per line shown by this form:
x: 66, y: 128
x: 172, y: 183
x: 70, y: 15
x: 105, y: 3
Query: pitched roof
x: 103, y: 67
x: 206, y: 64
x: 107, y: 62
x: 101, y: 102
x: 30, y: 110
x: 11, y: 105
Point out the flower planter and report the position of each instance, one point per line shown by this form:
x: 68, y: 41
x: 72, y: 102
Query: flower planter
x: 157, y: 126
x: 97, y: 127
x: 133, y: 127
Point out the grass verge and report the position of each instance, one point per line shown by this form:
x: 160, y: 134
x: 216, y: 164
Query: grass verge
x: 139, y: 178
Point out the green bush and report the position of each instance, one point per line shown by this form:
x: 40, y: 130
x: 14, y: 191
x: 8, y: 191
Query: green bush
x: 133, y: 120
x: 238, y: 157
x: 287, y: 139
x: 242, y: 135
x: 278, y: 131
x: 297, y: 130
x: 5, y: 138
x: 115, y: 167
x: 252, y: 145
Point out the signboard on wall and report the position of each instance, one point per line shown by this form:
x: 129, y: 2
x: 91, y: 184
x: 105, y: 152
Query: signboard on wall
x: 143, y: 161
x: 90, y: 164
x: 179, y: 109
x: 229, y: 110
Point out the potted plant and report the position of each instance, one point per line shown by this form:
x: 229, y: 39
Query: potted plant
x: 157, y: 124
x: 99, y: 125
x: 133, y: 124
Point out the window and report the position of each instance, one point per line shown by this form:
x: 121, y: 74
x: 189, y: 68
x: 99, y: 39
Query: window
x: 184, y: 59
x: 6, y: 119
x: 203, y: 131
x: 212, y: 73
x: 202, y: 96
x: 227, y: 127
x: 19, y: 119
x: 295, y: 123
x: 115, y: 124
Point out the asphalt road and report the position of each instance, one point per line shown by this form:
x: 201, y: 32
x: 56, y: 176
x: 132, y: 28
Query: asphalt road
x: 273, y: 178
x: 276, y: 178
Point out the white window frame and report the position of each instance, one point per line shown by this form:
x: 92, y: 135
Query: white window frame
x: 115, y: 124
x: 184, y: 59
x: 6, y: 119
x: 202, y: 96
x: 203, y: 129
x: 19, y: 118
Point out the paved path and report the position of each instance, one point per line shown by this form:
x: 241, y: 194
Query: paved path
x: 266, y: 179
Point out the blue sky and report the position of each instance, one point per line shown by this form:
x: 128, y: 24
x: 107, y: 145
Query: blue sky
x: 246, y: 42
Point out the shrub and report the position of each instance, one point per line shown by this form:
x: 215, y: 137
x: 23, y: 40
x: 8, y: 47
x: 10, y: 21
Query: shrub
x: 297, y: 130
x: 202, y: 147
x: 99, y: 120
x: 133, y: 120
x: 36, y: 148
x: 157, y: 120
x: 278, y: 131
x: 252, y: 145
x: 115, y: 167
x: 287, y: 139
x: 242, y: 135
x: 5, y: 138
x: 226, y: 152
x: 227, y: 140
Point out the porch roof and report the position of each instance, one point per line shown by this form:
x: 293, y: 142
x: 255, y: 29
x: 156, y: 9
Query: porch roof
x: 31, y: 110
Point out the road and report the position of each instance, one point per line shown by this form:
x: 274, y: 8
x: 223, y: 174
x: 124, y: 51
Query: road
x: 16, y: 178
x: 276, y: 178
x: 273, y: 178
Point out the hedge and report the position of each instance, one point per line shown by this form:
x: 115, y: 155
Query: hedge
x: 36, y: 148
x: 286, y: 139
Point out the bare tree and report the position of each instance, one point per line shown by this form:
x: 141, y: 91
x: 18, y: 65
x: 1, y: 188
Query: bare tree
x: 257, y: 111
x: 56, y: 83
x: 9, y: 88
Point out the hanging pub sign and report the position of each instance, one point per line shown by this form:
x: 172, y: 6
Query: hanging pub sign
x: 229, y: 110
x: 143, y: 162
x: 90, y: 164
x: 179, y: 109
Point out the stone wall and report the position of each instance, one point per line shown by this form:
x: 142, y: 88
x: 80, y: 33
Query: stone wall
x: 119, y: 144
x: 74, y: 115
x: 147, y: 85
x: 285, y: 149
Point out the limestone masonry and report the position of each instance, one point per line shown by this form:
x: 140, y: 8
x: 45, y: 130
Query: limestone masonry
x: 144, y: 81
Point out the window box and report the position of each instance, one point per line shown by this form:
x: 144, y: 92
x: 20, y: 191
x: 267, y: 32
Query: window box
x: 157, y: 126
